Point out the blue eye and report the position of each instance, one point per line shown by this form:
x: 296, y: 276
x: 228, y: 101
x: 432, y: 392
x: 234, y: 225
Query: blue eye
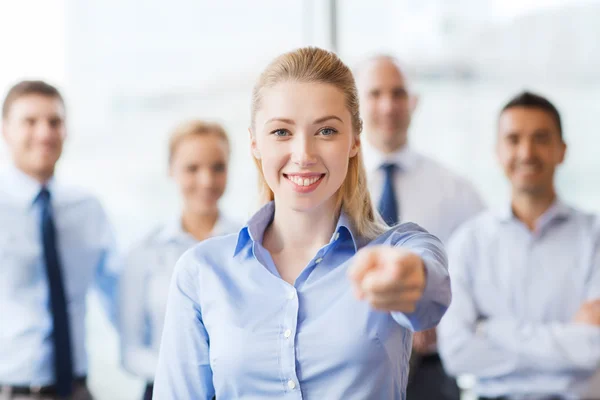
x: 328, y: 132
x: 280, y: 133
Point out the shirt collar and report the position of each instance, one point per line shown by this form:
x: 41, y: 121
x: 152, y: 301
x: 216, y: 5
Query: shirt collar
x: 405, y: 158
x: 254, y: 230
x: 173, y: 231
x: 22, y: 188
x: 557, y: 211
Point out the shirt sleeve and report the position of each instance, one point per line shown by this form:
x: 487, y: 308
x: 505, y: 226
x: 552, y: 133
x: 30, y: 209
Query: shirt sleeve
x: 464, y: 350
x: 183, y: 370
x: 555, y: 347
x: 436, y: 296
x: 136, y: 356
x: 593, y: 282
x: 108, y: 269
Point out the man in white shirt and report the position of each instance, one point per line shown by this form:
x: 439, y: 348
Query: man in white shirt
x: 409, y: 187
x: 55, y: 241
x: 525, y: 313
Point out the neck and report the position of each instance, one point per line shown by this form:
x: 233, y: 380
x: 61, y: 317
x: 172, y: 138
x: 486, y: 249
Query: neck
x: 528, y: 207
x: 301, y: 231
x: 386, y: 147
x: 200, y: 226
x: 40, y: 176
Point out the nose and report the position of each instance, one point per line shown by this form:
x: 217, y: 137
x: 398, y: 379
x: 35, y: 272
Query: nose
x: 205, y: 177
x: 526, y: 150
x: 47, y: 132
x: 304, y: 151
x: 387, y: 104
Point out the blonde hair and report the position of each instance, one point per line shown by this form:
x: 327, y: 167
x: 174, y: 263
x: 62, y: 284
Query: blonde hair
x: 315, y: 65
x: 195, y: 128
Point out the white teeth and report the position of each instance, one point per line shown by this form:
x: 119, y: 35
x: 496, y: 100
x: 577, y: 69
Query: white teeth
x: 298, y: 180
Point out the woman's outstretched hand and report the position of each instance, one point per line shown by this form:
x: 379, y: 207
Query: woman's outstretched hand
x: 389, y: 278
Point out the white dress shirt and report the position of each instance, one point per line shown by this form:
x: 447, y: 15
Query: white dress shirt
x: 87, y: 253
x: 514, y: 296
x: 144, y: 289
x: 428, y: 194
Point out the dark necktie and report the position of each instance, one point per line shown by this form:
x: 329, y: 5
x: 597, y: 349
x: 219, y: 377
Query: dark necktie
x: 61, y: 337
x: 388, y: 204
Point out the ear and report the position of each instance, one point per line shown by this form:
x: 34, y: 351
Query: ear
x: 355, y: 146
x: 253, y: 146
x: 4, y: 134
x: 413, y: 102
x: 563, y: 152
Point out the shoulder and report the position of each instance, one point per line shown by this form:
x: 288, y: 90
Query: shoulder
x: 214, y: 252
x: 480, y: 229
x: 226, y: 225
x: 588, y: 222
x: 149, y: 240
x: 76, y: 197
x: 439, y: 173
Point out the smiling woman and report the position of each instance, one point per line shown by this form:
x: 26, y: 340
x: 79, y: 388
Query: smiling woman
x: 315, y: 296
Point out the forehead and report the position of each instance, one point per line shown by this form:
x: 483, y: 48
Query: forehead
x: 302, y: 101
x: 526, y: 120
x: 37, y: 105
x: 381, y: 73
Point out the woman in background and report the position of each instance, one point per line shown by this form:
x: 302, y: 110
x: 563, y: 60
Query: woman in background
x: 198, y: 159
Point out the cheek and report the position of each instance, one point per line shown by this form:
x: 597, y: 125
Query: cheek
x: 337, y: 162
x: 505, y: 156
x: 186, y: 182
x: 271, y: 165
x: 220, y: 180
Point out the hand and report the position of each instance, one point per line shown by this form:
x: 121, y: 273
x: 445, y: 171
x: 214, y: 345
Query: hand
x: 589, y: 313
x: 424, y: 342
x: 389, y: 278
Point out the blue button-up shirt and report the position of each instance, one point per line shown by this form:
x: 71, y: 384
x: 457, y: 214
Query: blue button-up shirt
x: 86, y: 250
x: 234, y: 328
x: 515, y: 293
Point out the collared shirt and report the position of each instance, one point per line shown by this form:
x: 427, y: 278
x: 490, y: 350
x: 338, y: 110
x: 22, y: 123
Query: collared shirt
x: 428, y: 194
x: 515, y: 293
x: 86, y: 249
x: 144, y: 288
x: 234, y: 328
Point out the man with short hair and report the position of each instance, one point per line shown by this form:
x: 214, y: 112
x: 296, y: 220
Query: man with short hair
x: 409, y: 187
x: 54, y: 242
x: 525, y: 312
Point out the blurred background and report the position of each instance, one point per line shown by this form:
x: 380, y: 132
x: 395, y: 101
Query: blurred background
x: 131, y: 70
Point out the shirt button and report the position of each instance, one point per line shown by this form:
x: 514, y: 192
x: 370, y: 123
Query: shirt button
x: 287, y: 333
x: 318, y: 260
x: 291, y: 295
x: 291, y: 384
x: 336, y: 236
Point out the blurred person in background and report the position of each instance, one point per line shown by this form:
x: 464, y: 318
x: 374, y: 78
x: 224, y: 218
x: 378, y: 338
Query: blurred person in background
x: 198, y: 161
x: 315, y: 298
x: 55, y: 241
x: 410, y: 187
x: 525, y: 313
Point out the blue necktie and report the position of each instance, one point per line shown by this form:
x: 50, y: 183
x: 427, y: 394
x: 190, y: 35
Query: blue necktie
x: 61, y: 337
x: 388, y: 205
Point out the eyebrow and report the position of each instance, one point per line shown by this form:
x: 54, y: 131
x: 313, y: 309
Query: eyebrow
x: 317, y: 121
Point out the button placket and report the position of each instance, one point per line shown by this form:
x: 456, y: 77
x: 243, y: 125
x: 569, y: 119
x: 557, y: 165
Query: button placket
x: 287, y: 340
